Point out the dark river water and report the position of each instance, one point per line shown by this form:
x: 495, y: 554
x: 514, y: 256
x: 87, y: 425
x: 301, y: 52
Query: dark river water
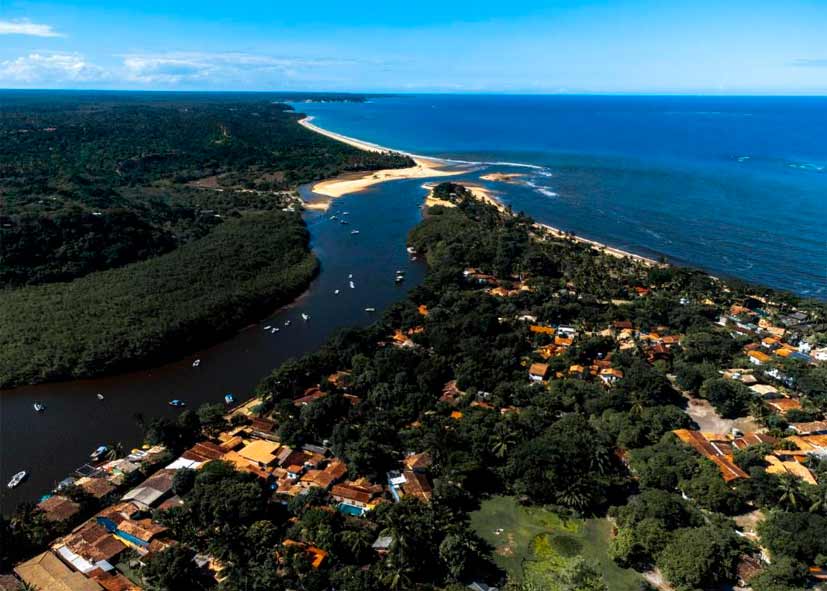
x: 52, y: 444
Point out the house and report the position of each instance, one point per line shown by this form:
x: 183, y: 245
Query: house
x: 123, y: 521
x: 332, y: 473
x: 578, y: 372
x: 811, y: 428
x: 784, y: 405
x: 450, y: 393
x: 539, y: 329
x: 382, y: 545
x: 98, y: 488
x: 758, y: 357
x: 310, y: 395
x: 610, y: 375
x: 765, y: 390
x: 46, y: 571
x: 359, y: 493
x: 260, y: 452
x: 538, y: 372
x: 409, y: 483
x: 418, y: 462
x: 9, y: 583
x: 561, y: 341
x: 58, y: 508
x: 714, y: 447
x: 779, y: 466
x: 153, y: 490
x: 90, y: 546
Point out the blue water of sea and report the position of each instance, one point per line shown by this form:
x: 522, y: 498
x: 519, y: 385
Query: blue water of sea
x: 734, y: 185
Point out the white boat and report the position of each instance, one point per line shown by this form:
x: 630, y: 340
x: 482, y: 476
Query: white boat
x: 350, y: 275
x: 370, y: 309
x: 345, y: 213
x: 344, y: 222
x: 305, y: 317
x: 274, y: 330
x: 354, y: 232
x: 335, y: 292
x: 286, y: 323
x: 352, y: 286
x: 400, y: 278
x: 38, y: 407
x: 196, y: 363
x: 17, y: 479
x: 99, y: 452
x: 333, y: 217
x: 99, y: 395
x: 268, y: 327
x: 411, y: 250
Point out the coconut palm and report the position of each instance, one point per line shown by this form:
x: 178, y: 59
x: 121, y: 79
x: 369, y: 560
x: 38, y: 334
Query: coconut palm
x: 115, y: 451
x: 791, y: 494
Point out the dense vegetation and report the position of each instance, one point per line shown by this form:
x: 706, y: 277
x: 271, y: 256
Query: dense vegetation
x: 91, y: 181
x: 150, y: 311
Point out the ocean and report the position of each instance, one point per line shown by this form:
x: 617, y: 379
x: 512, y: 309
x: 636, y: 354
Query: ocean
x: 736, y: 186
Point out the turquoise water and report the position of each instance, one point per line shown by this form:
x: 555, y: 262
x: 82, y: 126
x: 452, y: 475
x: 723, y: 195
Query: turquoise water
x: 734, y: 185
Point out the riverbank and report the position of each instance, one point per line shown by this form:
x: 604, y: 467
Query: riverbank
x: 359, y: 181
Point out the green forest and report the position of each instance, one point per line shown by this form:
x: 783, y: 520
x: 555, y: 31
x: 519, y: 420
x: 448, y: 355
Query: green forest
x: 91, y: 182
x: 151, y: 311
x: 119, y: 214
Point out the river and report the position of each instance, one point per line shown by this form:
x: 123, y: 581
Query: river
x: 52, y: 444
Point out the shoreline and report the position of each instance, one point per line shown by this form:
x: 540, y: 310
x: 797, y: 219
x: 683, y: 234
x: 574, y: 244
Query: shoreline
x: 355, y: 182
x: 434, y: 167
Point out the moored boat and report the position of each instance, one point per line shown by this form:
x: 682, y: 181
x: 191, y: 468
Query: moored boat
x: 305, y: 317
x: 99, y: 396
x: 17, y: 479
x: 229, y: 398
x: 196, y: 363
x: 39, y: 407
x: 177, y: 403
x: 99, y: 452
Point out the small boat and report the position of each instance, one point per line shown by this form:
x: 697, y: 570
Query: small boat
x: 370, y: 309
x: 229, y: 398
x: 345, y: 213
x: 99, y: 396
x: 38, y: 407
x: 400, y: 272
x: 275, y: 330
x: 17, y: 479
x: 335, y: 292
x: 350, y: 275
x: 286, y: 323
x: 177, y: 403
x: 400, y: 278
x: 333, y: 217
x: 352, y: 286
x: 411, y: 250
x: 196, y: 363
x: 99, y: 452
x: 344, y: 222
x: 305, y: 317
x: 268, y: 327
x: 354, y: 232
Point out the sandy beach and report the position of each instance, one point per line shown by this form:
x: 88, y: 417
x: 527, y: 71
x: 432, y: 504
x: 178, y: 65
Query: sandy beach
x: 604, y: 248
x: 355, y: 182
x: 430, y: 168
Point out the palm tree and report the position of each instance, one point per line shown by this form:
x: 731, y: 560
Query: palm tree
x: 503, y: 440
x: 638, y: 404
x: 790, y: 489
x: 819, y: 504
x: 398, y: 578
x: 357, y: 541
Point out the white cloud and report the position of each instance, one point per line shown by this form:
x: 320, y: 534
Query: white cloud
x: 50, y: 69
x: 25, y: 27
x: 190, y: 68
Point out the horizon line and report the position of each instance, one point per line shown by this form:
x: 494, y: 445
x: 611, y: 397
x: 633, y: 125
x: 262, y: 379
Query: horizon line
x: 386, y: 93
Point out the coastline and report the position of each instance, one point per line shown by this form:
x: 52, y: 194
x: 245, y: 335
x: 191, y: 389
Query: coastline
x: 429, y: 168
x: 355, y: 182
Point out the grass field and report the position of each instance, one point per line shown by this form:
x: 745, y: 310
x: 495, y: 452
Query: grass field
x: 532, y: 543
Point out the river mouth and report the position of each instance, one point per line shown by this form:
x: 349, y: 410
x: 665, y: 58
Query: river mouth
x: 50, y: 445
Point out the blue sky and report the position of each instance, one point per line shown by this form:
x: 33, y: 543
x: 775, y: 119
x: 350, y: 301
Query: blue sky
x: 612, y: 46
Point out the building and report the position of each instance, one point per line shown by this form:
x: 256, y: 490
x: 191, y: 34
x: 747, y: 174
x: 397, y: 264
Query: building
x: 538, y: 372
x: 90, y: 546
x: 58, y: 508
x: 409, y: 484
x: 47, y: 572
x: 717, y: 448
x: 358, y: 493
x: 758, y: 357
x: 153, y: 490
